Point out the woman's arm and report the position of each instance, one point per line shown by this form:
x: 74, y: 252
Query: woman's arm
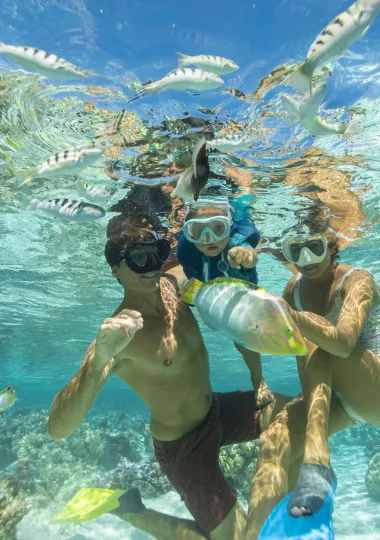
x: 340, y: 340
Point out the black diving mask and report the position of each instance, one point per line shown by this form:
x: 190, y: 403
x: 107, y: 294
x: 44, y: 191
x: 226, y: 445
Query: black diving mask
x: 146, y: 256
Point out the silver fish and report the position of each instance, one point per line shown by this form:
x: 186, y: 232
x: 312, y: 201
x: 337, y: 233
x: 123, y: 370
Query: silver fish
x: 233, y: 141
x: 245, y: 313
x: 67, y: 162
x: 215, y: 64
x: 65, y: 210
x: 185, y: 79
x: 7, y: 398
x: 91, y: 193
x: 194, y: 179
x: 349, y: 26
x: 306, y: 114
x: 3, y: 165
x: 42, y: 62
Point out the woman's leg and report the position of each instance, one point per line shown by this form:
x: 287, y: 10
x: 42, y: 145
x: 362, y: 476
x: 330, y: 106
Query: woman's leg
x: 358, y: 380
x: 281, y: 443
x: 315, y: 372
x: 281, y: 454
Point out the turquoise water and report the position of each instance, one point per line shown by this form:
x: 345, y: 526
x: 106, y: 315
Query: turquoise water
x: 54, y: 298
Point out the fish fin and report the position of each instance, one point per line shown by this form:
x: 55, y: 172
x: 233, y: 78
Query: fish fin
x: 300, y: 78
x: 199, y: 156
x: 23, y: 177
x: 29, y: 203
x: 150, y: 88
x: 353, y: 128
x: 189, y: 290
x: 311, y: 105
x: 63, y: 240
x: 291, y: 107
x: 88, y: 503
x: 183, y: 59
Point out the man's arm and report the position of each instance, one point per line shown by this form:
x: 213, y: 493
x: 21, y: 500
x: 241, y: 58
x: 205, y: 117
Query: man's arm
x: 72, y: 403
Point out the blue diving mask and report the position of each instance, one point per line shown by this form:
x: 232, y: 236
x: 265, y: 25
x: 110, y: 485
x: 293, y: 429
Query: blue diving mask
x: 207, y: 230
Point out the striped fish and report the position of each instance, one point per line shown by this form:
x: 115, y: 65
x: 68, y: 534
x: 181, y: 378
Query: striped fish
x: 91, y: 193
x: 7, y: 398
x: 185, y: 79
x: 247, y: 314
x: 68, y: 162
x: 332, y: 42
x: 233, y: 141
x: 65, y: 210
x: 215, y: 64
x: 42, y: 62
x: 306, y: 114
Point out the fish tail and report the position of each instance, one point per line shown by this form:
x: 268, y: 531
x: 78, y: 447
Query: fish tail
x: 352, y: 128
x: 29, y: 203
x: 63, y: 240
x: 183, y: 59
x: 302, y: 78
x: 291, y: 108
x: 189, y: 290
x: 23, y: 177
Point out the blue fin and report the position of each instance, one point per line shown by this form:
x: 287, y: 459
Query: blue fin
x: 282, y: 526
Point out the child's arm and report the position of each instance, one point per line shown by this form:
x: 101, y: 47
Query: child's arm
x: 253, y: 360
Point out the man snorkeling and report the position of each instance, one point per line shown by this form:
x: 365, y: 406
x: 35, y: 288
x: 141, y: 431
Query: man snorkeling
x: 153, y: 343
x: 213, y: 245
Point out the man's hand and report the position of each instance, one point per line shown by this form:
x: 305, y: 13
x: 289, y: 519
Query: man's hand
x: 114, y: 335
x: 242, y: 256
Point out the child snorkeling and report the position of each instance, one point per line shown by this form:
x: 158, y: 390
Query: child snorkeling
x: 213, y: 245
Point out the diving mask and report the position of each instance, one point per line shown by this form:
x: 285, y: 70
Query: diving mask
x: 207, y: 230
x: 305, y: 251
x: 146, y: 256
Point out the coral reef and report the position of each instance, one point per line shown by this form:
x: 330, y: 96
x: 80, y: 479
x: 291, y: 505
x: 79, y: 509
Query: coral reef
x: 110, y: 450
x: 54, y: 470
x: 360, y: 435
x: 238, y: 463
x: 12, y: 508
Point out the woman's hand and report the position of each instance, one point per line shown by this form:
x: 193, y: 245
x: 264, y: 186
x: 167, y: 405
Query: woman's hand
x: 242, y: 256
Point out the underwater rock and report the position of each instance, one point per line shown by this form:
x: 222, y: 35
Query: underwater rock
x: 372, y: 480
x: 147, y: 477
x: 364, y: 435
x: 12, y: 508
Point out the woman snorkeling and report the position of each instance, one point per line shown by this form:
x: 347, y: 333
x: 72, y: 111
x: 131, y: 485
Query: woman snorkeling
x: 213, y: 245
x: 337, y: 309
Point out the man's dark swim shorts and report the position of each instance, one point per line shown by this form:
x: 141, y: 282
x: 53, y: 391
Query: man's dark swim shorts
x: 191, y: 462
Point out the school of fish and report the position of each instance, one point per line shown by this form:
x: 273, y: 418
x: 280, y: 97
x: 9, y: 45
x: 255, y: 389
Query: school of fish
x: 247, y: 314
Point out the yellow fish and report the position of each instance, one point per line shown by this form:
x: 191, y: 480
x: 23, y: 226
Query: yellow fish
x: 247, y: 314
